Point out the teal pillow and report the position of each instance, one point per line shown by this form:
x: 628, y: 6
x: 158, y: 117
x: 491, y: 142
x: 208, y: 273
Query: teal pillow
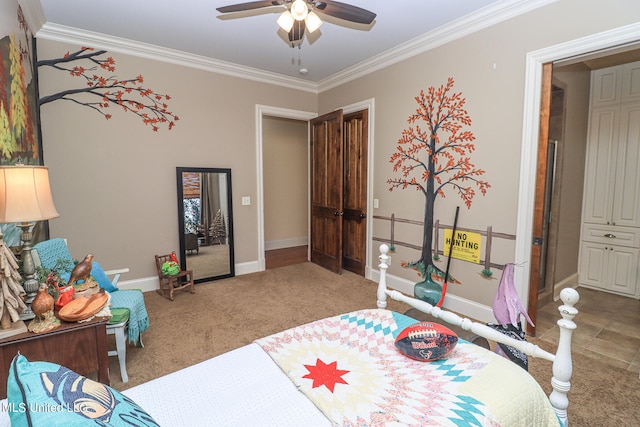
x: 103, y: 280
x: 47, y: 394
x: 98, y: 275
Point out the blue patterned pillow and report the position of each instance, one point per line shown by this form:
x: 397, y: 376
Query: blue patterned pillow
x: 47, y: 394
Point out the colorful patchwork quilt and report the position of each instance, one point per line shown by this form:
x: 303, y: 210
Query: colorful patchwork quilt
x: 349, y: 367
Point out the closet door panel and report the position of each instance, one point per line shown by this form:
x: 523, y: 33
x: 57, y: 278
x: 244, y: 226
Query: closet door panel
x: 593, y: 264
x: 605, y: 87
x: 626, y: 209
x: 600, y: 173
x: 631, y: 82
x: 623, y: 270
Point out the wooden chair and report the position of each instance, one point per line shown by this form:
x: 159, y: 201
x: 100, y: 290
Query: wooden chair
x: 181, y: 281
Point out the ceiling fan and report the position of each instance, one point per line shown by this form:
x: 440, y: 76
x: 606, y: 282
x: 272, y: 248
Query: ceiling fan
x: 300, y: 15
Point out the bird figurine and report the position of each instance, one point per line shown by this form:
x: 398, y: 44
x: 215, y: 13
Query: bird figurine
x: 42, y: 307
x: 81, y: 271
x: 43, y: 302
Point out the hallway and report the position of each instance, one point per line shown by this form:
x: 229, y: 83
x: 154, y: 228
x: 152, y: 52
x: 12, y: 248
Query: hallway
x: 287, y: 256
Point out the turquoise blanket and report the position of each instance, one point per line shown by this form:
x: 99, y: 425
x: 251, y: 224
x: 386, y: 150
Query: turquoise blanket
x: 138, y: 318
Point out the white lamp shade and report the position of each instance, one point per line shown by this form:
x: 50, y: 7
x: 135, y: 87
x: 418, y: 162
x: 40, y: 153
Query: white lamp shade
x: 285, y: 21
x: 312, y: 22
x: 25, y: 194
x: 299, y: 10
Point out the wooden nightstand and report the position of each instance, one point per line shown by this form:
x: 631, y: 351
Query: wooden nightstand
x: 81, y: 347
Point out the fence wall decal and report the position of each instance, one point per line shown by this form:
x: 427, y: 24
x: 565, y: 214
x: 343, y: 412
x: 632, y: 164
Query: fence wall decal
x: 489, y: 235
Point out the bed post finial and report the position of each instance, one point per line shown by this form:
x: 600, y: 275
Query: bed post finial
x: 382, y: 283
x: 562, y: 365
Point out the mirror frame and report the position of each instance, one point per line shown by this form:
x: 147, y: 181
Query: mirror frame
x: 181, y: 225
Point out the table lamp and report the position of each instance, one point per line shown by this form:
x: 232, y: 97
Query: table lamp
x: 25, y: 197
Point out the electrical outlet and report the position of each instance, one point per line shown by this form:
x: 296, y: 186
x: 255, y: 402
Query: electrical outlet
x: 376, y: 203
x: 246, y: 201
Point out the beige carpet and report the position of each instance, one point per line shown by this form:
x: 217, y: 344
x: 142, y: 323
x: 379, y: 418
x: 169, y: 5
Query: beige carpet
x: 229, y: 313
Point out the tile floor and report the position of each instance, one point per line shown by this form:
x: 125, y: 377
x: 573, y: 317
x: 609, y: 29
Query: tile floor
x: 608, y: 327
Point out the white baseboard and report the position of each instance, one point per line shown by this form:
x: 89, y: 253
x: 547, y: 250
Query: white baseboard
x: 479, y: 312
x: 148, y: 284
x: 286, y: 243
x: 463, y: 306
x: 247, y: 267
x: 145, y: 284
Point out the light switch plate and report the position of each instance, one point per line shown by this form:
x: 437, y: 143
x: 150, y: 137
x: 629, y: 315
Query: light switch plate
x: 246, y: 201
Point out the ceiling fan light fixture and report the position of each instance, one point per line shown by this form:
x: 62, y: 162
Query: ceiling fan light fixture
x: 299, y: 10
x: 285, y: 21
x: 312, y: 22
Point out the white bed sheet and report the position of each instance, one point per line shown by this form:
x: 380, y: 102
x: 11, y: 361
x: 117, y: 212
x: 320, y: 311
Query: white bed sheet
x: 243, y: 387
x: 4, y: 415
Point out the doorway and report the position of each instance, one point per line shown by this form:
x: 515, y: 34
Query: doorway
x: 599, y: 44
x: 285, y: 172
x: 263, y: 111
x: 553, y: 191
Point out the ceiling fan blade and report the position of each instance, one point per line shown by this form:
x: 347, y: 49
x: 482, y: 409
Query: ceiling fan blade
x: 345, y: 11
x: 248, y: 6
x: 297, y: 31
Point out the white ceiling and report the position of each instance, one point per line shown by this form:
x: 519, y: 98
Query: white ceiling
x: 194, y: 31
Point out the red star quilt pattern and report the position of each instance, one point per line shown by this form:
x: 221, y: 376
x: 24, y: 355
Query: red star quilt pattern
x: 327, y: 375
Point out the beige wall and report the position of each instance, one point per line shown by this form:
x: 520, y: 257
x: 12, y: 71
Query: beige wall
x: 285, y: 169
x: 489, y: 69
x: 114, y: 181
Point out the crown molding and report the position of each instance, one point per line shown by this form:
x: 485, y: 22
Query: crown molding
x: 483, y: 18
x: 33, y: 13
x: 65, y: 34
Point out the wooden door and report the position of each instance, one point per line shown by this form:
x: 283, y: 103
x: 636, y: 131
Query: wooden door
x: 540, y: 199
x: 327, y: 191
x: 354, y: 228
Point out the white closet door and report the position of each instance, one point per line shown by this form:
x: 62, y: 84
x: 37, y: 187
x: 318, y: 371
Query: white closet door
x: 626, y: 208
x: 600, y: 168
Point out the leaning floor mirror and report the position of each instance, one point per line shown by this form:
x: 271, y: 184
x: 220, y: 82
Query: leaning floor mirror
x: 205, y: 222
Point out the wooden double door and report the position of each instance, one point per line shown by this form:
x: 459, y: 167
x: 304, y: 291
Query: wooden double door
x: 339, y: 191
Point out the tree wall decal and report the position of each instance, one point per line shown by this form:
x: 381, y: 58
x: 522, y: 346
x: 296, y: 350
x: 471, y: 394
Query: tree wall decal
x: 128, y: 94
x: 431, y: 162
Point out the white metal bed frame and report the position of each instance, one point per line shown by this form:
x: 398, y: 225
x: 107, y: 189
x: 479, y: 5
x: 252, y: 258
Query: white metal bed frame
x: 562, y: 364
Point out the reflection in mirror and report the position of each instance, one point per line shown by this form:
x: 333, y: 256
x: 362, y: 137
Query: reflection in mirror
x: 205, y: 222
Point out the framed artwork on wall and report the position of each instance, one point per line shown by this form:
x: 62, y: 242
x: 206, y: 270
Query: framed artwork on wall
x: 20, y: 134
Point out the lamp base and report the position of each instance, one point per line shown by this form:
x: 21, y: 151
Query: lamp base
x: 16, y: 328
x: 27, y: 314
